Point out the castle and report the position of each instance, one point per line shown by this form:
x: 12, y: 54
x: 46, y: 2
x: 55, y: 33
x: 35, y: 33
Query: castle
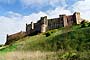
x: 45, y: 24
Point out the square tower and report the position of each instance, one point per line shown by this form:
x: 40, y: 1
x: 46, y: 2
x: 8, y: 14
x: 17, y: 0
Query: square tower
x: 44, y: 24
x: 64, y: 20
x: 77, y: 17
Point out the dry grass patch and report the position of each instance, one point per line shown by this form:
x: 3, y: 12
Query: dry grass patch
x: 37, y: 55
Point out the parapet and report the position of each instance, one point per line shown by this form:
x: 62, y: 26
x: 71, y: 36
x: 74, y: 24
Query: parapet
x: 42, y: 18
x: 62, y: 15
x: 76, y: 13
x: 14, y: 37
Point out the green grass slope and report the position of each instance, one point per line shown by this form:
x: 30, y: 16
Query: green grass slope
x: 78, y: 40
x: 70, y: 38
x: 67, y: 39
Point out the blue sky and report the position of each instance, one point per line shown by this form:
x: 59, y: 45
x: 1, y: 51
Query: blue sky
x: 14, y: 14
x: 30, y: 6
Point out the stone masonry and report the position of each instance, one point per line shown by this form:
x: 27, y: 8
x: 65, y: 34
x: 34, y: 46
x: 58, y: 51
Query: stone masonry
x: 44, y: 25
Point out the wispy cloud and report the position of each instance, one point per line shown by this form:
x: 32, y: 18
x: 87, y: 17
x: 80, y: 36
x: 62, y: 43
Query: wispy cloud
x: 15, y: 22
x: 41, y: 3
x: 8, y: 26
x: 83, y: 6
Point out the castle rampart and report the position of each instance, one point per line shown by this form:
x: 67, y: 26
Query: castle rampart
x: 45, y: 24
x: 15, y: 37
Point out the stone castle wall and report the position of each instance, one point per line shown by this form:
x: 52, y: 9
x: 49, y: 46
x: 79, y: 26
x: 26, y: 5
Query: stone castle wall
x: 45, y: 24
x: 15, y: 37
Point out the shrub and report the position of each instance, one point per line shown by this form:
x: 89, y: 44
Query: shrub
x: 89, y: 24
x: 70, y: 56
x: 48, y: 34
x: 85, y: 24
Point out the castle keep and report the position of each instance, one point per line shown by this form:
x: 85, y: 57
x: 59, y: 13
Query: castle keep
x: 45, y: 24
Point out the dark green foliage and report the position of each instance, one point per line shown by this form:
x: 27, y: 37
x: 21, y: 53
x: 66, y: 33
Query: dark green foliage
x: 85, y: 24
x: 1, y: 45
x: 89, y: 24
x: 34, y: 33
x: 70, y: 56
x: 48, y: 34
x: 78, y: 40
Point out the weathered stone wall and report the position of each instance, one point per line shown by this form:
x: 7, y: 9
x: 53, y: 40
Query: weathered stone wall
x: 65, y: 20
x: 77, y: 17
x: 70, y: 20
x: 57, y: 22
x: 37, y: 27
x: 28, y: 28
x: 54, y: 23
x: 15, y: 37
x: 45, y: 24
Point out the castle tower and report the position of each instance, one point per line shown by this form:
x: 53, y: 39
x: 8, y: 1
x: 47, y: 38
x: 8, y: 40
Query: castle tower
x: 44, y: 24
x: 32, y: 25
x: 64, y: 19
x: 26, y: 27
x: 77, y: 17
x: 29, y: 28
x: 6, y: 40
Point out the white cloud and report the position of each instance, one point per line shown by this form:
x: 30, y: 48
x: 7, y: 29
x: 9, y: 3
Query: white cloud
x: 83, y: 7
x: 34, y: 17
x: 57, y: 3
x: 30, y: 3
x: 41, y: 3
x: 15, y: 22
x: 8, y: 26
x: 58, y: 11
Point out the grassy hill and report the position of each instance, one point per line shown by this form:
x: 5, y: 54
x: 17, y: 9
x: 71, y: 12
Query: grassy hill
x: 63, y: 43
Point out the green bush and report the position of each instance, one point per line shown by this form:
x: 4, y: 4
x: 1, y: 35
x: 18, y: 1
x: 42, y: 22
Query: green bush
x: 89, y: 24
x: 70, y: 56
x: 48, y: 34
x: 85, y: 24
